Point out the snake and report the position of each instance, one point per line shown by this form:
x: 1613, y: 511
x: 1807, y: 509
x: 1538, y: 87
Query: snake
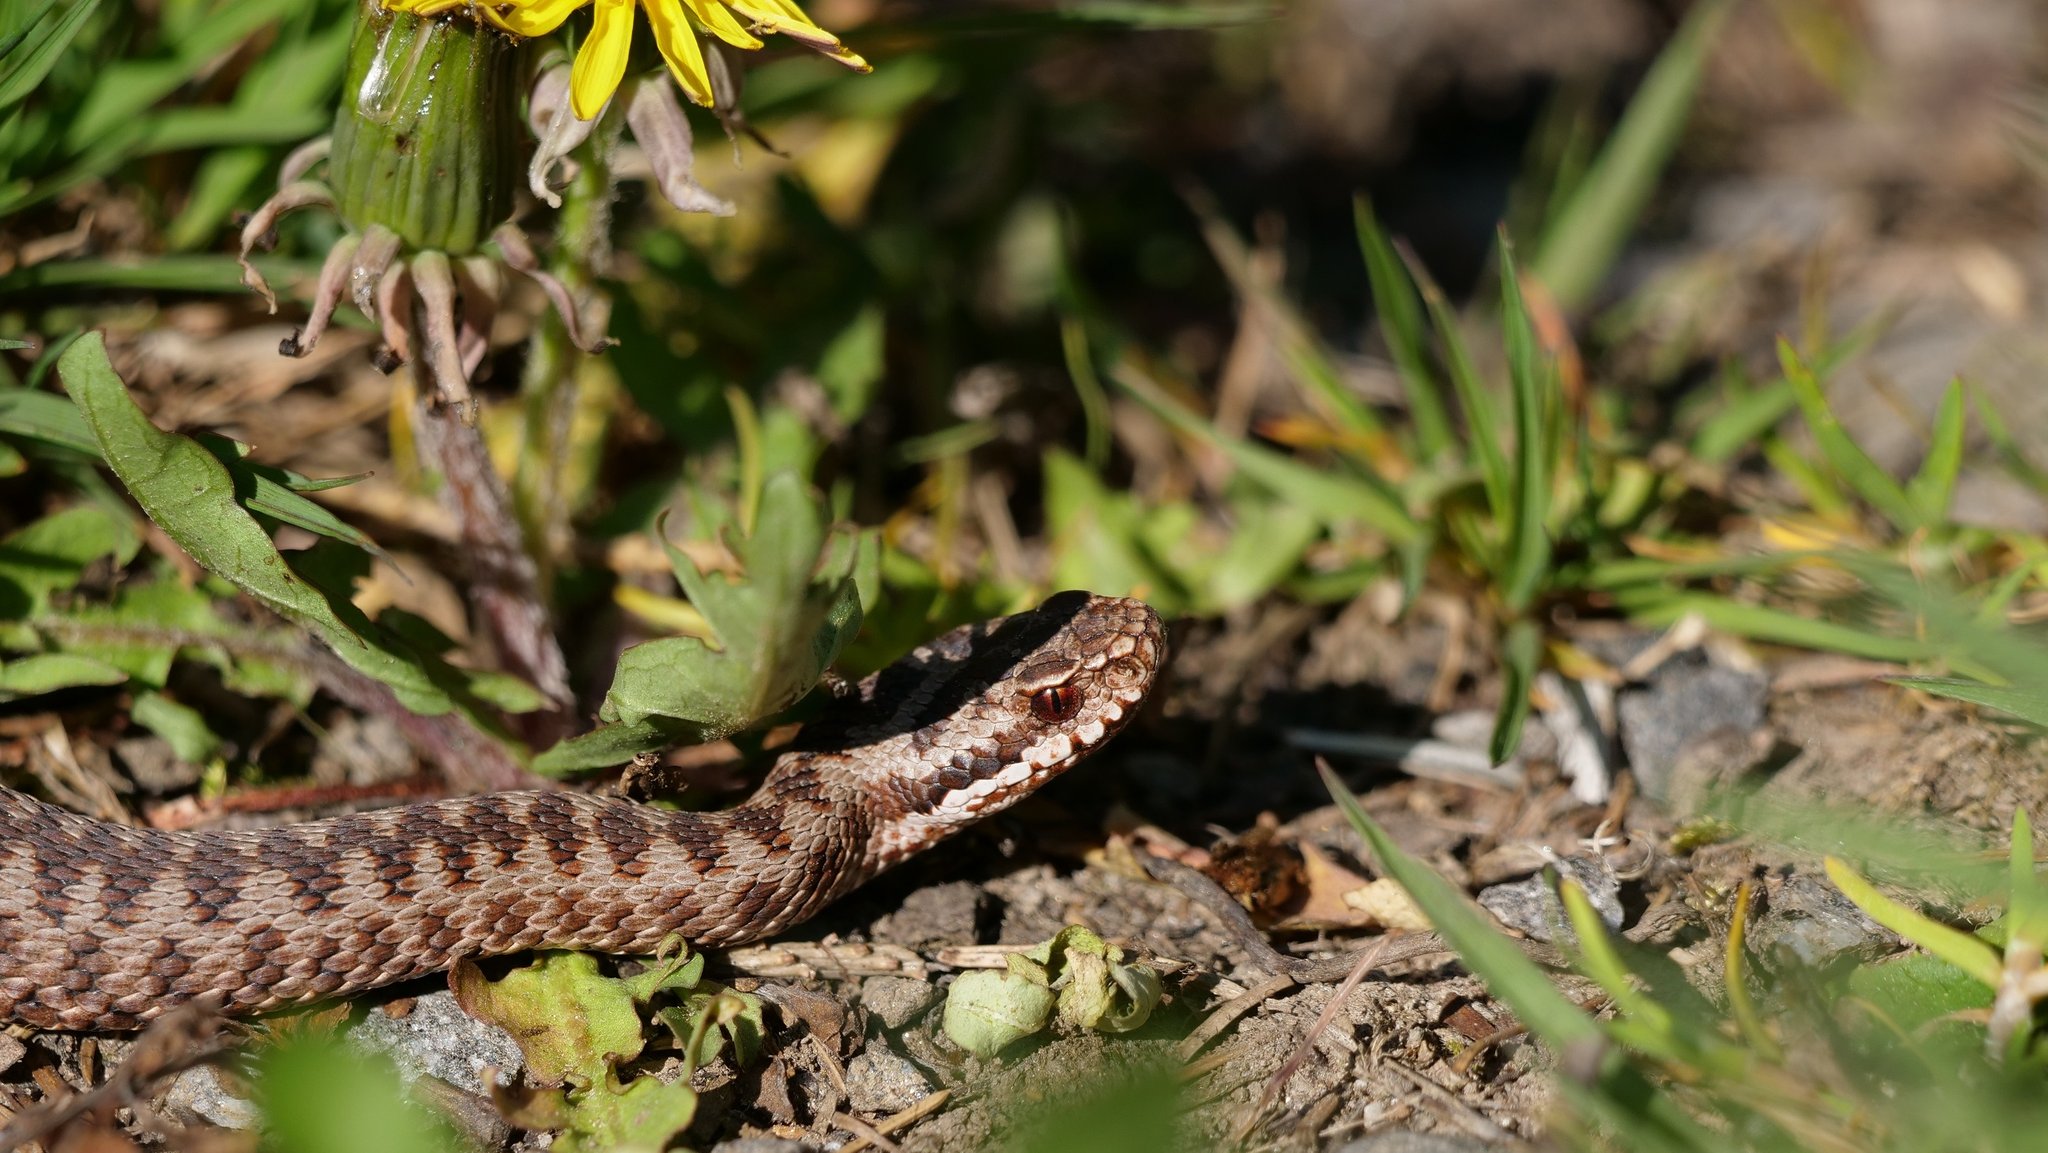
x: 106, y: 926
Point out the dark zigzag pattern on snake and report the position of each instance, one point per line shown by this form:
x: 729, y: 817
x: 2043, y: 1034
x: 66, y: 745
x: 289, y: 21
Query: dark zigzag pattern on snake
x: 105, y: 927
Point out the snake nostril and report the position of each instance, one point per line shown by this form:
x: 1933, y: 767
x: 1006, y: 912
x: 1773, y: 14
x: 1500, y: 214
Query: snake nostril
x: 1056, y: 703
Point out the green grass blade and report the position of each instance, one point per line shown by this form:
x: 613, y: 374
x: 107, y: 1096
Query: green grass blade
x: 1738, y: 423
x: 1336, y: 498
x: 1508, y: 974
x: 1521, y: 652
x: 1581, y: 246
x: 1533, y: 379
x: 1481, y: 406
x: 2028, y: 704
x: 1660, y: 608
x: 1843, y: 454
x: 1299, y: 346
x: 36, y: 48
x: 1958, y: 948
x: 1933, y: 488
x: 1400, y: 313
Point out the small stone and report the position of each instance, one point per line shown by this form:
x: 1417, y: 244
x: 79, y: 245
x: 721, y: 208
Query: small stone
x: 1529, y: 905
x: 880, y: 1082
x: 897, y: 1001
x: 198, y: 1094
x: 437, y: 1039
x: 1687, y: 698
x: 1810, y: 923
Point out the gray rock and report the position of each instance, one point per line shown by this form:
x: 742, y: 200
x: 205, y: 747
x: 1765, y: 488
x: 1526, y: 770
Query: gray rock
x: 1530, y: 906
x: 897, y: 1001
x: 437, y: 1039
x: 879, y: 1081
x: 1409, y: 1141
x: 763, y: 1145
x: 1687, y: 698
x: 197, y: 1094
x: 1810, y: 923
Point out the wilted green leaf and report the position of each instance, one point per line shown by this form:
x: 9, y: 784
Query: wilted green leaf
x: 645, y: 1114
x: 988, y: 1011
x: 572, y: 1022
x: 780, y: 619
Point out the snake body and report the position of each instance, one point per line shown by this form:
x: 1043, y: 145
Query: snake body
x: 105, y: 926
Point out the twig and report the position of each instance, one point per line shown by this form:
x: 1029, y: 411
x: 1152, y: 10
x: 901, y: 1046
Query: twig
x: 1286, y: 1072
x: 903, y: 1120
x: 186, y: 1036
x: 1226, y: 1014
x: 1237, y: 924
x: 865, y: 1132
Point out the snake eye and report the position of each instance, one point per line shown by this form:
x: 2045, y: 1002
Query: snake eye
x: 1056, y: 703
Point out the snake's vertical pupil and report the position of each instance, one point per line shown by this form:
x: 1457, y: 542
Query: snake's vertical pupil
x: 1056, y: 703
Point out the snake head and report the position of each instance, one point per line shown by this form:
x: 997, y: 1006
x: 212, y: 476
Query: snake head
x: 978, y: 719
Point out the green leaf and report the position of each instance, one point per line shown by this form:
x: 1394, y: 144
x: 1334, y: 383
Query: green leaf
x: 1296, y: 339
x: 2027, y: 702
x: 51, y: 554
x: 40, y: 673
x: 1508, y: 974
x: 318, y: 1095
x: 573, y: 1024
x: 1956, y: 947
x: 191, y: 496
x: 45, y: 418
x: 181, y: 727
x: 988, y: 1011
x: 1521, y: 652
x: 644, y: 1115
x: 1098, y: 534
x: 36, y: 47
x: 1736, y: 424
x: 1588, y: 233
x: 850, y: 368
x: 274, y: 492
x: 1843, y: 454
x: 1917, y: 988
x: 1533, y: 377
x: 1933, y: 488
x: 1333, y: 497
x: 779, y: 618
x: 1480, y: 405
x: 1400, y: 312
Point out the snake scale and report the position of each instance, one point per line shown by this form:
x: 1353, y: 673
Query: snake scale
x: 104, y: 926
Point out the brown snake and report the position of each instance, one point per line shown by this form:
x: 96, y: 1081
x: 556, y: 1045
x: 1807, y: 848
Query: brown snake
x: 104, y: 926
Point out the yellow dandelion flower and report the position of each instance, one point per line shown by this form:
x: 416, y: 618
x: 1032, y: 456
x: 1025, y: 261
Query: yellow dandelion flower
x: 601, y: 61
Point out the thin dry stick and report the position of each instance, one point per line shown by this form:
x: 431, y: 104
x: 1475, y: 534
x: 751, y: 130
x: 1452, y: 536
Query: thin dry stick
x: 505, y: 582
x: 903, y: 1120
x: 865, y: 1132
x: 1294, y: 1063
x: 1226, y: 1014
